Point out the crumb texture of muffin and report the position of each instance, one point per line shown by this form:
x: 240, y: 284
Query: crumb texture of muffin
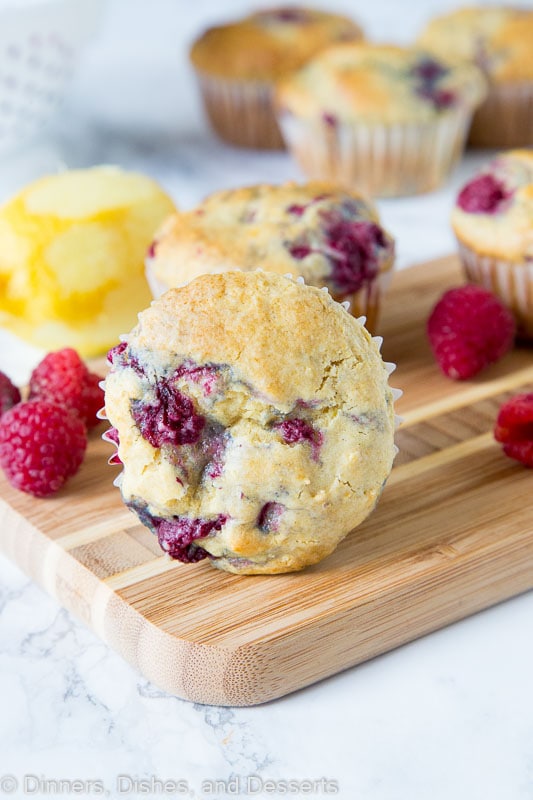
x: 238, y: 65
x: 493, y: 222
x: 384, y: 119
x: 498, y: 39
x: 72, y: 250
x: 254, y: 422
x: 327, y: 235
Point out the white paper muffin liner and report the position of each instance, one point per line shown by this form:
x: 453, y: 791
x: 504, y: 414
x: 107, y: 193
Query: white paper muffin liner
x: 380, y: 160
x: 157, y: 287
x: 511, y: 282
x: 241, y: 112
x: 505, y: 119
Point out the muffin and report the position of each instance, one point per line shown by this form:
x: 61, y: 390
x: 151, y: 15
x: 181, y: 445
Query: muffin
x: 237, y: 66
x: 493, y: 223
x: 327, y: 235
x: 499, y: 39
x: 388, y: 121
x: 72, y: 249
x: 254, y: 422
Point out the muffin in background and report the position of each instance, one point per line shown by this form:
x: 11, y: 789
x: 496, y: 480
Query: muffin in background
x: 72, y: 249
x: 493, y: 223
x: 499, y: 39
x: 325, y: 234
x: 385, y: 120
x: 238, y: 64
x: 258, y: 451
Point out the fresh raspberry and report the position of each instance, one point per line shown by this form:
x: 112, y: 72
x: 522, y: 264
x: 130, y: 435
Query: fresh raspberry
x: 63, y: 378
x: 514, y: 428
x: 41, y: 446
x: 92, y: 400
x: 9, y: 394
x: 469, y: 329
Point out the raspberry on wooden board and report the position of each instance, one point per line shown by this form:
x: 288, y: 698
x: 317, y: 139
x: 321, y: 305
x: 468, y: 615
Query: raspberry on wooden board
x: 514, y: 428
x: 41, y: 446
x: 63, y: 378
x: 468, y: 329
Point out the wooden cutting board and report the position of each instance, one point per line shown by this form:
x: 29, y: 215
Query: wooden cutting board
x: 453, y: 533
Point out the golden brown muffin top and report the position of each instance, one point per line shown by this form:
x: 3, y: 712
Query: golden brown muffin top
x: 204, y: 321
x: 379, y: 83
x: 269, y: 44
x: 326, y: 234
x: 498, y: 39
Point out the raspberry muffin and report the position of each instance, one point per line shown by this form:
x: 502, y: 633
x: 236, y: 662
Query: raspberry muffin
x: 238, y: 64
x: 72, y: 249
x: 499, y: 39
x: 245, y: 436
x: 386, y: 120
x: 493, y: 222
x: 327, y: 235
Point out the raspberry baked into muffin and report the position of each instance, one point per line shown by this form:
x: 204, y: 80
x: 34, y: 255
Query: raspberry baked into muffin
x: 327, y: 235
x: 238, y: 64
x: 245, y: 436
x: 386, y: 120
x: 499, y: 39
x: 493, y: 222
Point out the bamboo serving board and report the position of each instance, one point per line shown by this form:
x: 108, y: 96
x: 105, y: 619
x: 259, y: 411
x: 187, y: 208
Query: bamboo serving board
x: 452, y: 534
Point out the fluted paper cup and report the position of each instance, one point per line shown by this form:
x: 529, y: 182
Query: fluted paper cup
x: 157, y: 287
x: 367, y: 301
x: 505, y: 119
x: 377, y: 159
x: 510, y: 281
x: 241, y: 112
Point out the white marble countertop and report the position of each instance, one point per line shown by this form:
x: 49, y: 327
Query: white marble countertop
x: 448, y: 716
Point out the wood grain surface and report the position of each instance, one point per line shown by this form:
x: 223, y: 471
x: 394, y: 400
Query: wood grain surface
x: 452, y: 534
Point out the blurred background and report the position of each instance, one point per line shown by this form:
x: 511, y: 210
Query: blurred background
x: 117, y: 74
x: 131, y: 98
